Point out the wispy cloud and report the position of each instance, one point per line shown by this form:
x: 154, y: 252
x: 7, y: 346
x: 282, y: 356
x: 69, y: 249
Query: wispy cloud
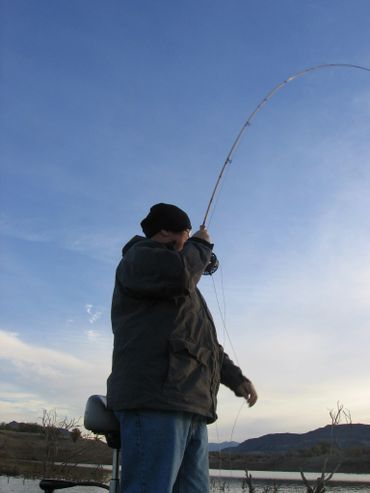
x: 94, y: 315
x: 35, y: 377
x: 42, y: 360
x: 22, y: 229
x: 101, y: 245
x: 92, y: 335
x: 104, y: 245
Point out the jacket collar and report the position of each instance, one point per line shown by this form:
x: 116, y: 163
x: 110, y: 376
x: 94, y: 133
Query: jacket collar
x: 139, y: 239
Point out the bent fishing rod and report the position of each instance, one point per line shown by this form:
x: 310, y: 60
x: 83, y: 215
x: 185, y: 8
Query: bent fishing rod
x: 214, y: 263
x: 259, y: 106
x: 213, y: 266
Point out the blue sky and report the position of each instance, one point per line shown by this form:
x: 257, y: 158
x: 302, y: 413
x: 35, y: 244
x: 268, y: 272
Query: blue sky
x: 110, y: 107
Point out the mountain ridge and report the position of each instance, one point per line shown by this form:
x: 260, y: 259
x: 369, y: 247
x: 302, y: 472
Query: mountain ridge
x: 342, y: 436
x: 217, y: 447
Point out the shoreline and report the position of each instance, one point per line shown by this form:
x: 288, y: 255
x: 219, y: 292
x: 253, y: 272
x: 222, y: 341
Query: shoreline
x: 215, y: 474
x: 342, y: 478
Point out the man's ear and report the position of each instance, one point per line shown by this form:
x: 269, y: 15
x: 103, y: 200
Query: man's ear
x: 165, y: 233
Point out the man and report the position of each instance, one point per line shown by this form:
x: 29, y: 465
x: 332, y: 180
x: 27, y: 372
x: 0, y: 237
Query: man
x: 167, y: 362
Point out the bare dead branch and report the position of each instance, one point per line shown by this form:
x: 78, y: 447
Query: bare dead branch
x: 248, y: 482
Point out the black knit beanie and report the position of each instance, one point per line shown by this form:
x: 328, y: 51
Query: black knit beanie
x: 165, y: 216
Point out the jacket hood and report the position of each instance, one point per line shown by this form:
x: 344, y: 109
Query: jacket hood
x: 139, y: 239
x: 132, y: 242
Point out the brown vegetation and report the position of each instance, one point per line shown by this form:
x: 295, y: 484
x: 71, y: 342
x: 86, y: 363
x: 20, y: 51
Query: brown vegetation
x: 28, y: 454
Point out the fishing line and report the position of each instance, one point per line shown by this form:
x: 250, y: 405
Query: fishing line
x: 236, y: 419
x: 225, y: 330
x: 219, y: 456
x: 225, y: 166
x: 233, y: 429
x: 222, y: 314
x: 223, y: 293
x: 259, y: 106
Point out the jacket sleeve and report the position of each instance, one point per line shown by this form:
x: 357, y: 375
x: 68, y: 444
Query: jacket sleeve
x: 162, y: 272
x: 231, y: 375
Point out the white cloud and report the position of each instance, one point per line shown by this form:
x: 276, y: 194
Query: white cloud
x: 44, y: 361
x: 36, y: 378
x: 92, y: 335
x: 20, y: 406
x: 94, y: 315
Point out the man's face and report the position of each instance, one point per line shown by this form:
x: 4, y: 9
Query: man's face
x: 180, y: 238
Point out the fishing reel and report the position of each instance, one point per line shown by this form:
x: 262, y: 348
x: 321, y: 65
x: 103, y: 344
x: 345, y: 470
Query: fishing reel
x: 212, y: 266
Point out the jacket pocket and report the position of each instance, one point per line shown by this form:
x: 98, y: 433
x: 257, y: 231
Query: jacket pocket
x: 188, y: 370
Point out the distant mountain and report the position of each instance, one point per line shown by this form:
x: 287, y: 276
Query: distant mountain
x: 217, y: 447
x: 343, y: 436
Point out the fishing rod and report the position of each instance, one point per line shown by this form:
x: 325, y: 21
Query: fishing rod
x: 259, y: 106
x: 213, y: 265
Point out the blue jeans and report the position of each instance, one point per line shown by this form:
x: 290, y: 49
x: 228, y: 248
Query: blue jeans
x: 163, y: 452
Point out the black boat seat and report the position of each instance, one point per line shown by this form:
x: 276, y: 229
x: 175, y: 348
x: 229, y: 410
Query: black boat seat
x: 101, y: 420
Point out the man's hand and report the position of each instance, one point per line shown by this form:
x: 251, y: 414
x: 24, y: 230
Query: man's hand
x: 202, y: 233
x: 247, y: 390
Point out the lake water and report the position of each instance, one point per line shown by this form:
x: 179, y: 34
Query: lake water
x: 288, y: 482
x: 225, y: 482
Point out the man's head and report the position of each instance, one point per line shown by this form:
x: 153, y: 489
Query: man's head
x: 167, y: 223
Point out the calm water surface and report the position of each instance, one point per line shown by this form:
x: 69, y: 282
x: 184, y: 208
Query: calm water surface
x: 219, y: 484
x: 262, y: 486
x: 287, y: 482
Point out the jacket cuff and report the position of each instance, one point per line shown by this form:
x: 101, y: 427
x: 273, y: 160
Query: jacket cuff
x: 204, y: 242
x: 244, y: 379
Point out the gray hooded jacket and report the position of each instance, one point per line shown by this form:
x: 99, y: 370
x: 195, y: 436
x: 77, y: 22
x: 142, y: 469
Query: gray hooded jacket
x: 166, y: 355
